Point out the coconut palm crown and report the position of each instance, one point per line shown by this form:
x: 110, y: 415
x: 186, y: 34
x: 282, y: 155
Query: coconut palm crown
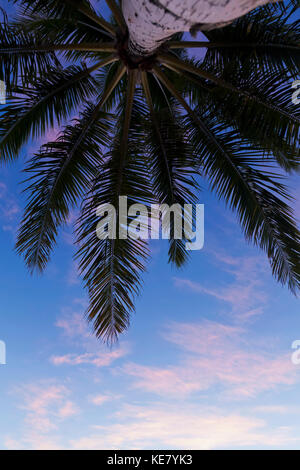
x: 150, y: 128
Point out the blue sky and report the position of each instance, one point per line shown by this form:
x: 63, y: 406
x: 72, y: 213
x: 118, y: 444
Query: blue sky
x: 206, y: 363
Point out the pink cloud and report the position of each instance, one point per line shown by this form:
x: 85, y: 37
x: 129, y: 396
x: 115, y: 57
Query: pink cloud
x: 100, y: 359
x: 172, y: 427
x: 214, y: 354
x: 73, y: 324
x: 49, y: 136
x: 34, y: 441
x: 99, y: 400
x: 67, y: 410
x: 245, y: 294
x: 46, y: 404
x: 68, y: 238
x: 164, y: 381
x: 3, y: 189
x: 9, y: 208
x: 39, y: 398
x: 77, y: 330
x: 73, y: 275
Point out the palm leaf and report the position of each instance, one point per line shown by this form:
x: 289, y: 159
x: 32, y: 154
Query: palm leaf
x: 61, y: 172
x: 259, y: 41
x: 260, y: 97
x: 111, y: 268
x: 255, y: 192
x: 19, y: 57
x: 265, y: 218
x: 274, y: 128
x: 50, y: 99
x: 66, y: 8
x: 171, y: 164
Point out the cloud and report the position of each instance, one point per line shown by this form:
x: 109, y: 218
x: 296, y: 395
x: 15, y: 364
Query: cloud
x: 245, y: 293
x: 73, y: 216
x: 92, y: 352
x: 38, y: 398
x: 99, y: 400
x: 172, y: 381
x: 73, y: 324
x: 277, y: 409
x: 44, y: 400
x: 34, y: 442
x: 73, y: 275
x: 9, y: 209
x: 46, y: 404
x: 166, y: 427
x: 68, y: 238
x: 67, y: 410
x: 100, y: 359
x: 237, y: 295
x: 214, y: 354
x: 50, y: 136
x: 3, y: 189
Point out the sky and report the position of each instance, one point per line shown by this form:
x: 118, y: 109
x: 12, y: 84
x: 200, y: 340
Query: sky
x: 206, y: 363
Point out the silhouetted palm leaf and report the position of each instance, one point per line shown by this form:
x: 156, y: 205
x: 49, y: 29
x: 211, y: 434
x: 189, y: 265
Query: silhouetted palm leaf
x: 260, y: 40
x: 111, y: 268
x: 61, y: 173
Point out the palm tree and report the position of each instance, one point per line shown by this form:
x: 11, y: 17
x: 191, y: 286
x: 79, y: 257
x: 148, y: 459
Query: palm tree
x: 149, y: 126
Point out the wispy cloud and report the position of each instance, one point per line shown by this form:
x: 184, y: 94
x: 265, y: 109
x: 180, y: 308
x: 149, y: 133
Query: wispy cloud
x: 46, y: 405
x: 73, y: 275
x: 73, y: 324
x: 67, y: 410
x: 101, y: 399
x: 214, y: 354
x: 166, y: 427
x: 274, y: 409
x: 244, y: 293
x: 100, y: 359
x: 92, y: 352
x: 9, y: 209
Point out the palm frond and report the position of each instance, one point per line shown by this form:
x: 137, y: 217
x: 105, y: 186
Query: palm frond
x: 275, y: 127
x: 265, y: 218
x: 112, y: 267
x: 229, y: 86
x: 284, y: 7
x: 117, y: 14
x: 20, y: 58
x: 113, y: 80
x: 272, y: 132
x: 59, y: 175
x: 171, y: 164
x: 261, y: 97
x: 251, y: 188
x: 49, y: 99
x: 66, y: 8
x: 65, y: 31
x: 261, y: 41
